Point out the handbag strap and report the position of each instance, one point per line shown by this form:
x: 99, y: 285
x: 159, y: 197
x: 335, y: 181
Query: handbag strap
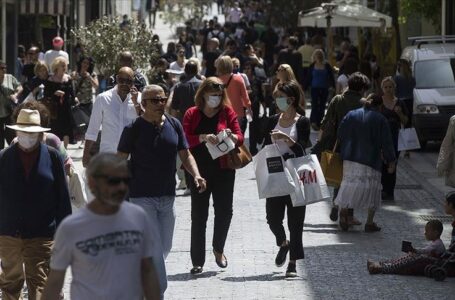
x: 335, y: 146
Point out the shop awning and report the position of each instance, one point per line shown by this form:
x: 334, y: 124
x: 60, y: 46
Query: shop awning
x: 44, y: 7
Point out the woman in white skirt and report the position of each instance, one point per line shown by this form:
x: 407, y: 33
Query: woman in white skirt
x: 365, y: 142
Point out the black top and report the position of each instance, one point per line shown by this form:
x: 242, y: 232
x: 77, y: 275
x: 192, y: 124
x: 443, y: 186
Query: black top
x: 210, y: 58
x: 303, y: 134
x: 394, y: 120
x: 183, y: 96
x: 200, y: 152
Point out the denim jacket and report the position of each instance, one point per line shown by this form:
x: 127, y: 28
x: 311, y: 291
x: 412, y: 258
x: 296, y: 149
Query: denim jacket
x: 364, y: 137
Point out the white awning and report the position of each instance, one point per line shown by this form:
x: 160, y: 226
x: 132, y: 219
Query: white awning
x: 344, y: 15
x: 44, y: 7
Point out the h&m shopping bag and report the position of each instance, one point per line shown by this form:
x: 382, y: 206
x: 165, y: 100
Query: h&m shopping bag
x: 272, y: 178
x: 310, y: 184
x: 408, y: 139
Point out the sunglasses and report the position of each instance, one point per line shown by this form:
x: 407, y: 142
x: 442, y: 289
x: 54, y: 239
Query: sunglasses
x: 113, y: 180
x: 157, y: 100
x: 217, y: 86
x: 124, y: 81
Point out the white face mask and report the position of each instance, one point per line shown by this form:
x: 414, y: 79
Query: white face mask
x: 27, y: 140
x: 213, y: 101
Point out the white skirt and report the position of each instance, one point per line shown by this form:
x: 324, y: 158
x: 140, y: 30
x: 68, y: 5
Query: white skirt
x: 360, y: 187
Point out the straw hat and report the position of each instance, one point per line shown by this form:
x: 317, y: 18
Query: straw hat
x: 28, y: 121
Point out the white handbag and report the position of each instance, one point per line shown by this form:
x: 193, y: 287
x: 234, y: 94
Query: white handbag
x: 77, y: 190
x: 310, y: 184
x: 272, y: 177
x: 408, y: 139
x: 223, y: 147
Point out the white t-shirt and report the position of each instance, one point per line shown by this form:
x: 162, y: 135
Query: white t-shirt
x: 291, y: 131
x: 175, y: 66
x: 50, y: 55
x: 104, y: 252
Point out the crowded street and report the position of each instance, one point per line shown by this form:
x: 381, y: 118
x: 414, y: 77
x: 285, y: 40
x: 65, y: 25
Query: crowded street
x: 212, y: 150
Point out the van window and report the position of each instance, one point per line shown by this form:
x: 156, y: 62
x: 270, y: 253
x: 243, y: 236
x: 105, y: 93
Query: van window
x: 437, y: 73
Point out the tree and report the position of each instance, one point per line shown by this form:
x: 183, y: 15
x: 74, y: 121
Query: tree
x: 104, y: 40
x: 180, y: 11
x: 429, y: 9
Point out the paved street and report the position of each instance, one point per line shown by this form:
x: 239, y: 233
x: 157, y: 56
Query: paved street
x: 335, y: 263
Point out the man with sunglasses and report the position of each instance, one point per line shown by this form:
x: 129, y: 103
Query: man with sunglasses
x: 112, y: 110
x: 153, y: 142
x: 126, y: 59
x: 108, y: 243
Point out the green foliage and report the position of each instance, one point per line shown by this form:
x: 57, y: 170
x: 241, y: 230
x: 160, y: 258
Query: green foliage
x: 179, y: 11
x: 104, y: 40
x: 429, y: 9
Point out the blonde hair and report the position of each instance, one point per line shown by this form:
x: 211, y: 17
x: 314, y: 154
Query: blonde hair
x: 317, y: 53
x: 58, y: 62
x: 288, y: 71
x: 207, y: 86
x: 388, y: 79
x: 40, y: 65
x: 235, y: 61
x: 224, y: 65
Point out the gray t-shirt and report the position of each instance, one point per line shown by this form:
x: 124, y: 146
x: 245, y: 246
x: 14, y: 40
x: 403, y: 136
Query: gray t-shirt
x: 104, y: 252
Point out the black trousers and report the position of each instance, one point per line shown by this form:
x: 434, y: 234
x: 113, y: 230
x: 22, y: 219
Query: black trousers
x: 220, y: 184
x: 275, y: 208
x: 389, y: 180
x: 5, y: 133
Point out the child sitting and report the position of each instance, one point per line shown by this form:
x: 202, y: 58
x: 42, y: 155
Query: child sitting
x: 435, y: 248
x: 433, y: 231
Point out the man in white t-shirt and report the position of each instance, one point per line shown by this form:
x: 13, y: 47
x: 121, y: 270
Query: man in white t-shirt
x: 50, y: 55
x: 108, y: 243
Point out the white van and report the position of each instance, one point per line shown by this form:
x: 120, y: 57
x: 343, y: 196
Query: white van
x: 433, y: 65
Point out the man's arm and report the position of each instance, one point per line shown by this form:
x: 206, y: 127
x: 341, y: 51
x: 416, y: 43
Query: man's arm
x: 54, y: 285
x: 150, y: 282
x: 190, y: 165
x: 91, y: 135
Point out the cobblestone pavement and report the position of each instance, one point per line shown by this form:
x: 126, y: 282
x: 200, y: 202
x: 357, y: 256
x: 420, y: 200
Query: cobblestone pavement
x: 335, y: 262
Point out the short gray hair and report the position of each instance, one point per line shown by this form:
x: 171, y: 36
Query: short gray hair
x: 104, y: 160
x: 152, y: 88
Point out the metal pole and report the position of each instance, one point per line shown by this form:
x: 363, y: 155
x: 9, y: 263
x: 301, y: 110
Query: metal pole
x: 443, y: 17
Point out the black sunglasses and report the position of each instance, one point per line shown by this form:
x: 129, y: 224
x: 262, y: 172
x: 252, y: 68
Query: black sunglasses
x: 217, y: 86
x: 113, y: 180
x: 157, y: 100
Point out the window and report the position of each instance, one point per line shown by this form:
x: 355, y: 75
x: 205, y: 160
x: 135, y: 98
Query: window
x: 437, y: 73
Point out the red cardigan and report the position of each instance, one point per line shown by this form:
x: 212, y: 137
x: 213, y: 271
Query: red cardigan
x: 227, y: 119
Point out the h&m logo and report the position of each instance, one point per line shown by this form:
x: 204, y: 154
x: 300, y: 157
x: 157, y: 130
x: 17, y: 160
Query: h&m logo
x: 308, y: 176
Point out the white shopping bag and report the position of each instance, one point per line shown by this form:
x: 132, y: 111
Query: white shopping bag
x: 77, y: 191
x: 223, y: 147
x: 407, y: 139
x: 272, y: 178
x: 29, y: 97
x: 310, y: 184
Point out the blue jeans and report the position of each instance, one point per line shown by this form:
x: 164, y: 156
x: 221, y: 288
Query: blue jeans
x: 162, y: 220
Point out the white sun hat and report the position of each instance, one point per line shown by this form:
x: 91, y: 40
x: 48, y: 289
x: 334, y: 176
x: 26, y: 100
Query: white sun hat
x: 28, y: 120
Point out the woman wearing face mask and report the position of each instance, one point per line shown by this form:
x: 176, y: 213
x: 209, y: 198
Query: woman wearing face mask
x: 290, y: 131
x: 211, y: 115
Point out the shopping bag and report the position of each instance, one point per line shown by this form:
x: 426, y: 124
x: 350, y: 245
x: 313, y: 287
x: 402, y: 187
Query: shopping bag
x: 223, y: 147
x: 310, y: 184
x: 77, y: 190
x: 30, y: 97
x: 332, y: 168
x: 272, y: 178
x: 407, y: 139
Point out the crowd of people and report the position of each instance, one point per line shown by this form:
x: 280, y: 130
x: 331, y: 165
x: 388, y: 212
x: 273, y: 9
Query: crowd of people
x: 147, y: 127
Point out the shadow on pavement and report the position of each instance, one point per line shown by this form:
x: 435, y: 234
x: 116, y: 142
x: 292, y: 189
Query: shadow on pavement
x: 188, y: 276
x: 264, y: 277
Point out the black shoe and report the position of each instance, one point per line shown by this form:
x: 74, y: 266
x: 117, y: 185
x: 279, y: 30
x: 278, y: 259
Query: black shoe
x: 223, y: 263
x: 291, y: 271
x: 196, y: 270
x: 387, y: 197
x: 280, y: 258
x: 334, y: 213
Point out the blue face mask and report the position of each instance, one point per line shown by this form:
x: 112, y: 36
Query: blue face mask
x: 282, y: 103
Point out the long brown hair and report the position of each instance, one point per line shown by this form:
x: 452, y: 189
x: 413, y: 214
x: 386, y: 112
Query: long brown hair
x: 211, y: 84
